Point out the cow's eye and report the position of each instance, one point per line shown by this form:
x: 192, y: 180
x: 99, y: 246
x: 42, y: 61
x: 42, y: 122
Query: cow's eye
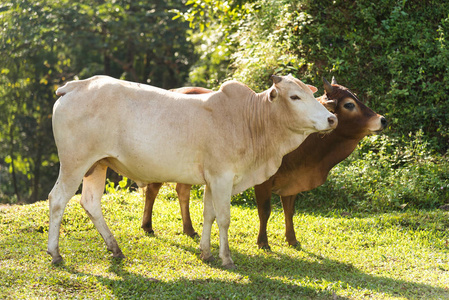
x: 349, y: 105
x: 294, y: 97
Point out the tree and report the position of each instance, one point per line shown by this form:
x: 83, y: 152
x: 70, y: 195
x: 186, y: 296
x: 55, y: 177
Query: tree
x: 45, y: 43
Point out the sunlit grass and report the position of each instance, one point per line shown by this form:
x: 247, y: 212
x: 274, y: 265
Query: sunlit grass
x: 396, y: 255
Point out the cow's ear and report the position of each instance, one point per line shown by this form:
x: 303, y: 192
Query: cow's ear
x: 273, y: 94
x: 331, y: 105
x: 312, y: 88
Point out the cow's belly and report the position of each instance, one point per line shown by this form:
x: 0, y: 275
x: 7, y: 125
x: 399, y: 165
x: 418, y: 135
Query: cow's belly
x: 147, y: 171
x: 150, y: 156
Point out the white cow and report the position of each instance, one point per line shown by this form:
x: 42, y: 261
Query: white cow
x: 228, y: 140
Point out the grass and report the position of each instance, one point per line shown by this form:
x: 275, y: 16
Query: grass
x: 394, y: 255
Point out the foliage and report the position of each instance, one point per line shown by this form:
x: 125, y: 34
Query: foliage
x: 122, y: 186
x: 402, y: 68
x: 394, y: 54
x: 216, y: 23
x: 133, y: 40
x: 264, y: 44
x: 214, y: 52
x: 382, y: 256
x: 26, y: 98
x: 45, y: 43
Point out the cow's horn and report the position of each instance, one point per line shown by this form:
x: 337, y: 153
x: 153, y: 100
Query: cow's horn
x: 327, y: 86
x: 276, y: 79
x: 334, y: 81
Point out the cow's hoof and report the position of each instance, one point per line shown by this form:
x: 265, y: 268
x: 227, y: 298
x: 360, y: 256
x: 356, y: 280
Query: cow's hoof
x: 230, y: 266
x: 296, y: 245
x: 194, y: 235
x: 266, y: 248
x: 210, y: 258
x: 148, y: 231
x: 57, y: 260
x: 118, y: 255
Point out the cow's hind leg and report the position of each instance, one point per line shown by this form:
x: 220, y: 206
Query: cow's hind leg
x: 150, y: 196
x: 93, y: 187
x: 288, y: 204
x: 183, y: 191
x: 63, y: 190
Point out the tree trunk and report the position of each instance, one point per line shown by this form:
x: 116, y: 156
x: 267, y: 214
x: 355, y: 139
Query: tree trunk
x: 13, y: 169
x: 37, y: 171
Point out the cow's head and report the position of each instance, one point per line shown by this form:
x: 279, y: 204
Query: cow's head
x: 302, y: 111
x: 355, y: 119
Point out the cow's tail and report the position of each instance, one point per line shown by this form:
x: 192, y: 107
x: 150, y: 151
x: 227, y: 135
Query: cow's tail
x: 61, y: 91
x: 72, y: 85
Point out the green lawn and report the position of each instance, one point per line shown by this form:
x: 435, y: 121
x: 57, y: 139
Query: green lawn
x: 396, y: 255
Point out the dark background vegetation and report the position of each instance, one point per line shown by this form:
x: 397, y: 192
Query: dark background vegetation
x: 393, y: 54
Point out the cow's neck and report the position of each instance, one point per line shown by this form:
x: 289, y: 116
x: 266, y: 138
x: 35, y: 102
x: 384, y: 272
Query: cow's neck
x: 326, y: 151
x: 308, y: 166
x: 270, y: 137
x: 335, y: 149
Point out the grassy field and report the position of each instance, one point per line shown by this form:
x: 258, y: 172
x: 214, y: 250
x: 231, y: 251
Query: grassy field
x: 344, y: 255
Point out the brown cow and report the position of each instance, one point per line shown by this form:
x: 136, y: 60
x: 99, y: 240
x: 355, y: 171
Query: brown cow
x: 308, y: 166
x: 304, y: 169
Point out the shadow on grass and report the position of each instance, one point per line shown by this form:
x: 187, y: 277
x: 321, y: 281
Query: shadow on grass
x: 261, y: 269
x: 260, y: 276
x: 133, y: 286
x: 271, y: 275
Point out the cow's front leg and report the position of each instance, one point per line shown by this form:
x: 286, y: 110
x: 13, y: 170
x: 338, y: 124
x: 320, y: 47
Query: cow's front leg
x: 221, y: 191
x: 223, y: 208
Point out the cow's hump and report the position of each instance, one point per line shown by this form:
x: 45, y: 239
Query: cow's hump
x: 233, y: 88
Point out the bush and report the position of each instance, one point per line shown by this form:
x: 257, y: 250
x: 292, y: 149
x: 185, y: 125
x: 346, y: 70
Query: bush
x: 385, y: 173
x: 393, y: 54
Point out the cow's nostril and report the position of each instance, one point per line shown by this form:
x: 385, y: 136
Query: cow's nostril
x: 332, y: 121
x: 383, y: 121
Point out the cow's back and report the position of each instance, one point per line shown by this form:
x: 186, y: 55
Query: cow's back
x: 149, y: 134
x: 127, y: 124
